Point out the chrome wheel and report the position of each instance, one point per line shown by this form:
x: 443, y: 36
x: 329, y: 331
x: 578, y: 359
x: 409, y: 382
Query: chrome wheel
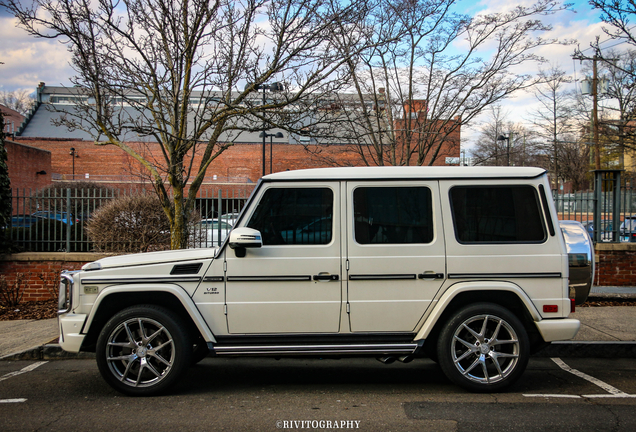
x: 485, y: 349
x: 144, y: 350
x: 140, y: 352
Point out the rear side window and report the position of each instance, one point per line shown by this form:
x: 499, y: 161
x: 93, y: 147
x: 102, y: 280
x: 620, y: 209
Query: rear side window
x: 294, y: 216
x: 497, y: 214
x: 393, y: 215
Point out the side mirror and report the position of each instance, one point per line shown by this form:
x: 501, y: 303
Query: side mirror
x: 242, y: 238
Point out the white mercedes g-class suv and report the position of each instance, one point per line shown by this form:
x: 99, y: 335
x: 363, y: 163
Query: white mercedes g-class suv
x: 466, y: 266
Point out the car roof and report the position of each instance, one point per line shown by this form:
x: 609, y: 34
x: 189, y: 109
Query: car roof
x: 387, y: 173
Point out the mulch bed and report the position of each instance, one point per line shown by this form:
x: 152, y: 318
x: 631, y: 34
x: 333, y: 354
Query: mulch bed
x: 36, y: 310
x: 48, y: 308
x: 596, y: 302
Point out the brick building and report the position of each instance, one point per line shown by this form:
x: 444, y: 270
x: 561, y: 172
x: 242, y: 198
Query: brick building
x: 12, y: 119
x: 74, y: 156
x: 29, y: 166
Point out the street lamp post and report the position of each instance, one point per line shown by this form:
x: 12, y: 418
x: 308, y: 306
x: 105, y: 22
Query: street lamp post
x: 507, y: 138
x: 275, y: 87
x: 73, y: 154
x: 271, y: 148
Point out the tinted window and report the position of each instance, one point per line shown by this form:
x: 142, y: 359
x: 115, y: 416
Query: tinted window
x: 489, y: 214
x: 393, y: 215
x: 294, y: 216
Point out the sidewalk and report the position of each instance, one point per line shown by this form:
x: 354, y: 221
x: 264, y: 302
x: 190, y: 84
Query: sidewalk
x: 608, y: 331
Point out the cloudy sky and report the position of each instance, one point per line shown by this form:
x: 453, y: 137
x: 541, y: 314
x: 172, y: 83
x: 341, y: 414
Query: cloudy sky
x: 28, y: 61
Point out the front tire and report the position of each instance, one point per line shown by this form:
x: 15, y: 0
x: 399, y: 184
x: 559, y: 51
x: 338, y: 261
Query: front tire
x: 483, y: 348
x: 143, y: 350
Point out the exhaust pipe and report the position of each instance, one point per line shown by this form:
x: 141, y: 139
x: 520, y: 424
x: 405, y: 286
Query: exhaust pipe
x: 387, y: 359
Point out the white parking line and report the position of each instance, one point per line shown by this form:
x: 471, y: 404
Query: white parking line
x: 608, y: 388
x: 12, y: 400
x: 613, y: 391
x: 23, y: 370
x: 554, y: 396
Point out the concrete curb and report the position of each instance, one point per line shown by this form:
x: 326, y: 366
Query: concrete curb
x: 46, y: 352
x: 593, y: 349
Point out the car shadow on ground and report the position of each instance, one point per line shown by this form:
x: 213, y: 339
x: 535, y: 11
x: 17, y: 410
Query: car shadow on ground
x: 239, y: 373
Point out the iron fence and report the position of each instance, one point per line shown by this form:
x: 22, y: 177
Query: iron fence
x: 607, y: 212
x: 55, y: 220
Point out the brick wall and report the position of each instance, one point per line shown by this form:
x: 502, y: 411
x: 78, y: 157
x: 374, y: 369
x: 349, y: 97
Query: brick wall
x: 92, y: 159
x: 615, y: 266
x: 39, y: 272
x: 240, y: 160
x: 24, y: 162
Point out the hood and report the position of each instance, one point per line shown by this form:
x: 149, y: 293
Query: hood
x: 151, y: 258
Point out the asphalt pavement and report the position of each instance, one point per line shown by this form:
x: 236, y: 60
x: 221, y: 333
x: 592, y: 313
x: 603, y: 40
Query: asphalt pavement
x: 608, y: 332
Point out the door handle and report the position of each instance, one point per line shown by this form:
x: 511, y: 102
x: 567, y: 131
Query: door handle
x: 326, y: 277
x: 430, y: 276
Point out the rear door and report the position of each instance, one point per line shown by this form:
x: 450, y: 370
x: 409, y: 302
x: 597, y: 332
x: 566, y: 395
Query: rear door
x: 395, y: 253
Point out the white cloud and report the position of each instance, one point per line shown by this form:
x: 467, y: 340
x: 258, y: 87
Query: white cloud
x: 582, y: 25
x: 29, y: 60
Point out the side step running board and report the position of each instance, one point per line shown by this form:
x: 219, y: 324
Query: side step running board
x: 360, y: 349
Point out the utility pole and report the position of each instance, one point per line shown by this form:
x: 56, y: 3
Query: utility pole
x: 594, y: 92
x: 597, y: 150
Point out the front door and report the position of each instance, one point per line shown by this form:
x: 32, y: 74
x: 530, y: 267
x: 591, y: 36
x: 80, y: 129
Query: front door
x: 395, y: 253
x: 293, y: 283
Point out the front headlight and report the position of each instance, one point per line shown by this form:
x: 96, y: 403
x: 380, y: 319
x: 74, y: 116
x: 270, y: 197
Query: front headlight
x: 66, y: 293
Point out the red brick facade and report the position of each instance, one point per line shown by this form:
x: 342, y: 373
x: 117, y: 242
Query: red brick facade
x: 39, y: 274
x: 241, y: 162
x: 29, y: 167
x: 615, y: 264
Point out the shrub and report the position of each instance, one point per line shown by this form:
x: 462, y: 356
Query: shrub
x: 11, y: 291
x: 53, y: 197
x: 130, y: 224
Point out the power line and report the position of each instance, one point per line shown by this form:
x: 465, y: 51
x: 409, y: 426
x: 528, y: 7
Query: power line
x: 610, y: 39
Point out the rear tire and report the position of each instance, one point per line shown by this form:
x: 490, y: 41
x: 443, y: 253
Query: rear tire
x: 483, y: 348
x: 143, y: 350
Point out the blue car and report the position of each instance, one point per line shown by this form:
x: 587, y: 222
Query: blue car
x: 64, y: 217
x: 23, y: 221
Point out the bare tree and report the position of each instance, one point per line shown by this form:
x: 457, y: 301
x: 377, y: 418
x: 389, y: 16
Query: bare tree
x: 616, y: 107
x: 621, y: 106
x: 187, y: 74
x: 553, y: 118
x: 574, y: 157
x: 520, y: 148
x: 18, y: 100
x: 618, y: 15
x: 412, y: 95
